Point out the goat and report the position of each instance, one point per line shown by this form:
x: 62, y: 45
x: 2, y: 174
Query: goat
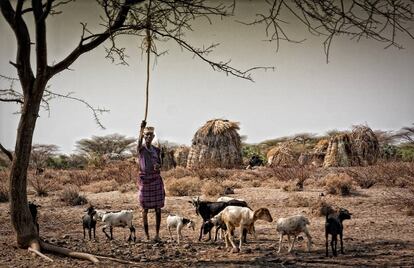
x: 33, y: 211
x: 335, y: 227
x: 175, y: 221
x: 207, y: 210
x: 293, y: 225
x: 89, y: 222
x: 121, y: 218
x: 243, y: 217
x: 227, y: 199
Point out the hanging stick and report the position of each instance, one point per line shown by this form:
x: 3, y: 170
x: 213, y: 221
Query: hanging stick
x: 148, y: 43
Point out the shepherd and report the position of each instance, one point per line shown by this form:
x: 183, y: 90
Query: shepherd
x: 151, y: 193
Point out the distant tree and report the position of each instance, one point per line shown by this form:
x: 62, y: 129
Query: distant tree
x: 406, y: 135
x: 163, y: 20
x: 41, y: 153
x: 304, y: 138
x: 102, y: 145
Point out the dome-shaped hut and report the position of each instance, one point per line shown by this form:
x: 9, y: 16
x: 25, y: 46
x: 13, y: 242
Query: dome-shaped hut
x: 365, y: 146
x: 181, y: 155
x: 282, y: 155
x: 216, y: 144
x: 339, y: 151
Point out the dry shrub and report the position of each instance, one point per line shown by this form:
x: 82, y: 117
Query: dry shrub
x: 231, y: 184
x: 80, y: 177
x: 213, y: 173
x: 256, y: 183
x: 338, y: 183
x: 40, y: 185
x: 212, y: 188
x: 243, y: 176
x: 178, y: 173
x: 186, y: 186
x: 70, y: 195
x: 127, y: 187
x: 297, y: 200
x: 322, y: 208
x: 101, y: 186
x: 4, y: 186
x: 386, y: 173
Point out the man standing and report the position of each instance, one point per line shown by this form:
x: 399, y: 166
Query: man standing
x: 151, y: 194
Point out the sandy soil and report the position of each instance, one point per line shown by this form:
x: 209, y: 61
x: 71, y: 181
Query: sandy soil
x: 377, y: 235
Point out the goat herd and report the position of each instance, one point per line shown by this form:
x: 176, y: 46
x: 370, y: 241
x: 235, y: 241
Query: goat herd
x: 225, y: 215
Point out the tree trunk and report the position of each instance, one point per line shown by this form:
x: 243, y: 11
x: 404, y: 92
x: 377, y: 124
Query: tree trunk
x: 20, y: 214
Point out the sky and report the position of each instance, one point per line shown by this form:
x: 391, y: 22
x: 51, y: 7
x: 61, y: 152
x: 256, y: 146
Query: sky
x: 363, y: 83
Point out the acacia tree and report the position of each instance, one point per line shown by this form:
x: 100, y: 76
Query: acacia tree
x: 164, y: 20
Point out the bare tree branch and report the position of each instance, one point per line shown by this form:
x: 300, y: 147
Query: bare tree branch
x: 6, y: 152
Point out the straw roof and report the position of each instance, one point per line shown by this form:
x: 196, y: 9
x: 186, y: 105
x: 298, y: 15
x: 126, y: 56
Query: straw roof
x: 365, y: 146
x: 216, y: 144
x: 339, y: 152
x: 181, y: 155
x: 282, y: 155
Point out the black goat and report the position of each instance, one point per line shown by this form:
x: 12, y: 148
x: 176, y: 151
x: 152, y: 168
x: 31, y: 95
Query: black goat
x: 334, y: 227
x: 207, y: 210
x: 33, y: 211
x: 89, y: 222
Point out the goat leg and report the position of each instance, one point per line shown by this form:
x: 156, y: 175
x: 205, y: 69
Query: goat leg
x: 342, y: 243
x: 326, y: 244
x: 280, y: 242
x: 107, y: 236
x: 292, y: 245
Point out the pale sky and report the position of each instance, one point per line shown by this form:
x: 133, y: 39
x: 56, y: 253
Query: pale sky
x: 362, y: 84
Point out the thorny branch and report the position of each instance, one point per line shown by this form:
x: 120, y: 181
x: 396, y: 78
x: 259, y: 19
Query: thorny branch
x: 12, y: 95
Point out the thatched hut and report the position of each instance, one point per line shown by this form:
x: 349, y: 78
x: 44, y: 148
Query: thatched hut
x: 216, y: 144
x: 319, y: 152
x: 365, y: 146
x: 181, y: 155
x: 339, y: 151
x: 282, y: 155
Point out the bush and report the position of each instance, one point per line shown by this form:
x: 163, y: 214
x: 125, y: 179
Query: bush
x: 40, y: 185
x: 70, y: 195
x: 406, y: 153
x: 186, y: 186
x: 296, y: 200
x: 178, y: 173
x: 339, y: 183
x: 102, y: 186
x: 212, y: 188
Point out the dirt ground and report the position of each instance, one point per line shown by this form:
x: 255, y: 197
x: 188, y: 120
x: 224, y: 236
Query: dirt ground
x: 377, y: 235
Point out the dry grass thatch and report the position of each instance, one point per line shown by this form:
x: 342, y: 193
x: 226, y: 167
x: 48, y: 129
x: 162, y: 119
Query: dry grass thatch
x: 181, y: 155
x: 339, y: 152
x: 282, y: 156
x: 216, y: 144
x: 365, y: 146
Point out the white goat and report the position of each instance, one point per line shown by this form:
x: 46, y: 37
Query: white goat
x: 227, y: 199
x: 242, y: 217
x: 178, y: 222
x: 293, y: 225
x: 121, y: 218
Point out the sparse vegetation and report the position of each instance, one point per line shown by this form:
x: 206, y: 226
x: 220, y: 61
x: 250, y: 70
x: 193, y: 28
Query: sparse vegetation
x: 338, y: 183
x: 186, y: 186
x: 70, y: 196
x: 212, y: 188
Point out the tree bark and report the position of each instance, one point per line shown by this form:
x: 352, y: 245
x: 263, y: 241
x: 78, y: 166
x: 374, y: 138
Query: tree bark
x: 21, y: 218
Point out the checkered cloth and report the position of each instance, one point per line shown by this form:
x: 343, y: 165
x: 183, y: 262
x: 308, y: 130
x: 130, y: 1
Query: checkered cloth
x: 151, y: 193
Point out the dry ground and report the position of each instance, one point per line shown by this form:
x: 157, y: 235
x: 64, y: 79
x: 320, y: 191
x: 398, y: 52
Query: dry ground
x: 378, y: 235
